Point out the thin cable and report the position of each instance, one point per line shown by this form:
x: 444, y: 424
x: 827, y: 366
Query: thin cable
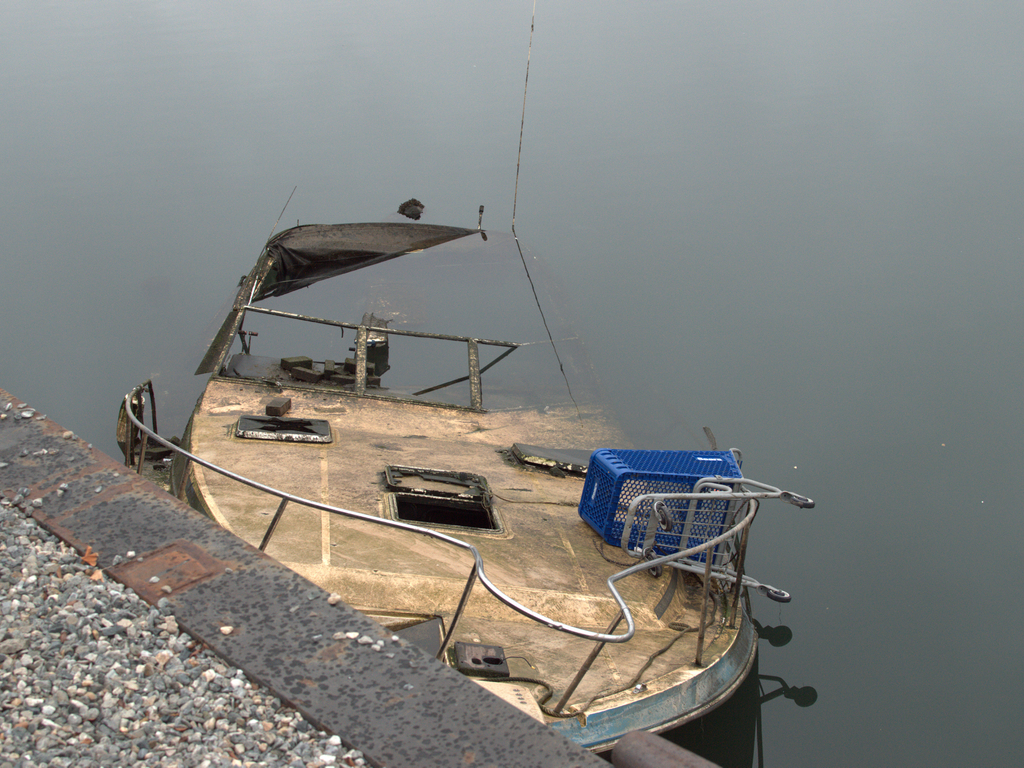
x: 522, y: 122
x: 515, y: 198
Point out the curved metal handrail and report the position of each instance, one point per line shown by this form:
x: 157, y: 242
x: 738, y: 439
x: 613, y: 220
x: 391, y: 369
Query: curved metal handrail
x: 478, y: 560
x: 478, y: 570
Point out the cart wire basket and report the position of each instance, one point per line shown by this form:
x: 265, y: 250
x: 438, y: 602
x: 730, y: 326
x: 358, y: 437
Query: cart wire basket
x: 616, y: 477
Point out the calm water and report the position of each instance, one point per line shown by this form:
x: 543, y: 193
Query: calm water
x: 797, y: 223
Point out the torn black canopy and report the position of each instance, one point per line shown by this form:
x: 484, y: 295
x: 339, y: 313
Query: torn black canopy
x: 307, y: 254
x: 301, y: 256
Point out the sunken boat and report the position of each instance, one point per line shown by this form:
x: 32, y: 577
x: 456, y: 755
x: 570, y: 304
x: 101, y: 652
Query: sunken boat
x: 396, y: 411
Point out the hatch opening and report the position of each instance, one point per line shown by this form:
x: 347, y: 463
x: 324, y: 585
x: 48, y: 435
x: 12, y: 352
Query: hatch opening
x: 437, y: 510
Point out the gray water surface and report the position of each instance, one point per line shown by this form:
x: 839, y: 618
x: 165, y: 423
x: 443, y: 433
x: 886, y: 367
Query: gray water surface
x: 796, y: 223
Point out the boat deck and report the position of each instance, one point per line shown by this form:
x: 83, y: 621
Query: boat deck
x: 542, y: 554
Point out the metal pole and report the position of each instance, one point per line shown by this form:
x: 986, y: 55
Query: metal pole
x: 139, y: 409
x: 586, y: 666
x: 145, y: 437
x: 458, y: 613
x: 741, y: 560
x: 273, y: 524
x: 476, y: 398
x: 142, y: 453
x: 152, y: 404
x: 362, y: 335
x: 709, y: 554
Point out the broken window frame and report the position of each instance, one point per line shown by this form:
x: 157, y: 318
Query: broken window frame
x: 363, y: 335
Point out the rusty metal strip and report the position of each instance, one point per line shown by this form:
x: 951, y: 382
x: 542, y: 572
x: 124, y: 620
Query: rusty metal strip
x: 362, y: 334
x: 168, y: 570
x: 476, y: 399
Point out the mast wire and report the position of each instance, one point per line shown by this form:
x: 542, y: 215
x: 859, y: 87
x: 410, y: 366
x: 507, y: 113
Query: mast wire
x: 522, y: 122
x: 515, y: 197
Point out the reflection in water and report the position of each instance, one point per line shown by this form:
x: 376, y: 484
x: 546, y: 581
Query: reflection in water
x: 731, y: 735
x: 774, y: 636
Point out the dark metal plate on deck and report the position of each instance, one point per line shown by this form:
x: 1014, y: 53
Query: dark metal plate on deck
x: 565, y: 459
x: 481, y: 660
x: 284, y: 428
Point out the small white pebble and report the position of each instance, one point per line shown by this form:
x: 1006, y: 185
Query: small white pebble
x: 154, y: 579
x: 226, y: 630
x: 130, y: 553
x: 351, y: 635
x: 334, y: 599
x: 365, y: 640
x: 68, y: 434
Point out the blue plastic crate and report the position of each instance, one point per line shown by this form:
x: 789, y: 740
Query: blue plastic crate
x: 616, y: 477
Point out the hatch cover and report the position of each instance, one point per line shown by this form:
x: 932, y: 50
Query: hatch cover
x: 565, y: 459
x: 284, y: 428
x: 436, y: 482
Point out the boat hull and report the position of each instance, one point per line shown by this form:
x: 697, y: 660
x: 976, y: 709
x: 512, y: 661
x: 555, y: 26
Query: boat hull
x: 672, y: 707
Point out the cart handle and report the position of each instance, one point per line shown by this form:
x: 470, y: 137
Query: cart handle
x: 706, y: 489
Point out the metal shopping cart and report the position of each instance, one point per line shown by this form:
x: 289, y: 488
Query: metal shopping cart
x: 684, y: 509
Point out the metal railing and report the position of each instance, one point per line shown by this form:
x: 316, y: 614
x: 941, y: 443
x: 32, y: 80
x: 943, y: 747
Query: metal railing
x: 363, y: 332
x: 128, y: 432
x: 478, y: 571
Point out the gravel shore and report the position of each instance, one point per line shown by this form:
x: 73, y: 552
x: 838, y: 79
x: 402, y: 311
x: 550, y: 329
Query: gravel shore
x: 92, y: 675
